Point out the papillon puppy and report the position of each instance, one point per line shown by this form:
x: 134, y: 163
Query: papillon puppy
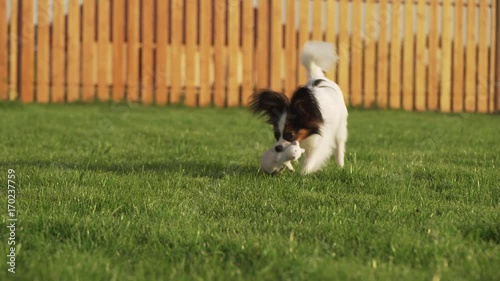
x: 316, y: 114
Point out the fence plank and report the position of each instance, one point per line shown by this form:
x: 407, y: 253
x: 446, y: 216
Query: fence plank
x: 27, y: 52
x: 3, y: 51
x: 88, y: 59
x: 470, y: 73
x: 382, y: 56
x: 303, y: 36
x: 344, y: 46
x: 482, y: 66
x: 356, y: 54
x: 317, y: 17
x: 369, y: 59
x: 133, y: 50
x: 162, y: 33
x: 408, y: 56
x: 73, y: 50
x: 147, y: 63
x: 190, y: 34
x: 103, y: 56
x: 43, y: 53
x: 118, y: 49
x: 220, y: 54
x: 263, y: 44
x: 445, y: 100
x: 420, y: 62
x: 433, y: 74
x: 276, y: 45
x: 496, y: 75
x: 206, y: 51
x: 458, y: 60
x: 395, y: 77
x: 330, y: 34
x: 13, y: 49
x: 291, y: 49
x: 248, y: 53
x: 58, y: 52
x: 234, y: 50
x: 493, y: 48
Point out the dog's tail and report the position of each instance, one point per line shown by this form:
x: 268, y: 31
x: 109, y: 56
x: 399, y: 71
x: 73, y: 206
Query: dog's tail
x: 318, y: 57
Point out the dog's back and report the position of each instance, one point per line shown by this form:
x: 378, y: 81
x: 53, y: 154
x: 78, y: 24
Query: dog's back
x: 318, y: 57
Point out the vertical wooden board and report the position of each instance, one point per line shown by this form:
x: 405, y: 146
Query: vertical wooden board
x: 88, y: 54
x: 433, y: 74
x: 73, y: 50
x: 408, y: 56
x: 470, y: 71
x: 58, y: 52
x: 205, y: 51
x: 496, y: 78
x: 162, y: 33
x: 103, y: 56
x: 27, y: 52
x: 482, y: 65
x: 395, y: 72
x: 291, y: 49
x: 147, y: 64
x: 458, y: 59
x: 317, y: 18
x: 369, y: 58
x: 220, y: 54
x: 3, y: 51
x: 356, y: 54
x: 303, y: 35
x: 118, y: 44
x: 276, y: 46
x: 191, y: 32
x: 420, y: 62
x: 234, y: 50
x: 493, y: 47
x: 445, y: 99
x: 13, y: 50
x: 382, y: 56
x: 133, y: 17
x: 248, y: 53
x: 176, y: 51
x: 330, y: 33
x: 344, y: 48
x: 43, y: 52
x: 263, y: 44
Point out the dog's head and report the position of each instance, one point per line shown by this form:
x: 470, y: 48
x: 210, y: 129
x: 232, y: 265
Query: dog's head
x: 293, y: 119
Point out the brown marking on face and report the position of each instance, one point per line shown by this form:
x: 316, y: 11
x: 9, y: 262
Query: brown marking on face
x: 303, y: 134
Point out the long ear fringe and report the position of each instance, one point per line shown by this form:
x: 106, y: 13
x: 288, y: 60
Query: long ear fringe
x: 269, y: 104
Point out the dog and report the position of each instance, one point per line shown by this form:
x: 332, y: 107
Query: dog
x: 315, y: 115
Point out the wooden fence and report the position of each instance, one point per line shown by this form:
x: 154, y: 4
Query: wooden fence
x: 437, y: 55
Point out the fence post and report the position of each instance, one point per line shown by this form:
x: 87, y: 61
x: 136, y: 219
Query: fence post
x: 497, y: 57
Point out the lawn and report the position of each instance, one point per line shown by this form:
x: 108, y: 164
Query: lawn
x: 117, y: 192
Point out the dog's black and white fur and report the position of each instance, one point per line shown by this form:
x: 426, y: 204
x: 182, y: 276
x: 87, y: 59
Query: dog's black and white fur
x: 316, y: 114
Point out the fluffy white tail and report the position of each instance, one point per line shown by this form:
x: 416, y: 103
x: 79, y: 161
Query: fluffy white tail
x: 317, y: 57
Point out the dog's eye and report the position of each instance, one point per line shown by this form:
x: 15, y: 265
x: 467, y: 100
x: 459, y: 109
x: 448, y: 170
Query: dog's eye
x: 288, y: 136
x: 276, y: 135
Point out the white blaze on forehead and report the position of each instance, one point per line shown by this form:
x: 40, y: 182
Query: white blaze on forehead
x: 281, y: 123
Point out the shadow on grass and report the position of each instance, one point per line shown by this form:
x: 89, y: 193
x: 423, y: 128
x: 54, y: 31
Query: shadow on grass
x: 214, y: 170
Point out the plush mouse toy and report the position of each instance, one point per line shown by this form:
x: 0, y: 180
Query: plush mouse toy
x: 273, y: 162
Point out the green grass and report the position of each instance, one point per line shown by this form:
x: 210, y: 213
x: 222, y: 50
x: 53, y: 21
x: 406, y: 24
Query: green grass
x: 147, y: 193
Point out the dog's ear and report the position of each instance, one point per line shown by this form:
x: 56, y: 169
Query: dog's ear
x: 305, y: 109
x: 269, y: 104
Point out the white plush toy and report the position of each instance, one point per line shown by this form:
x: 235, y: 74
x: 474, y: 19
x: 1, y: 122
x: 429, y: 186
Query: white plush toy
x: 274, y: 162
